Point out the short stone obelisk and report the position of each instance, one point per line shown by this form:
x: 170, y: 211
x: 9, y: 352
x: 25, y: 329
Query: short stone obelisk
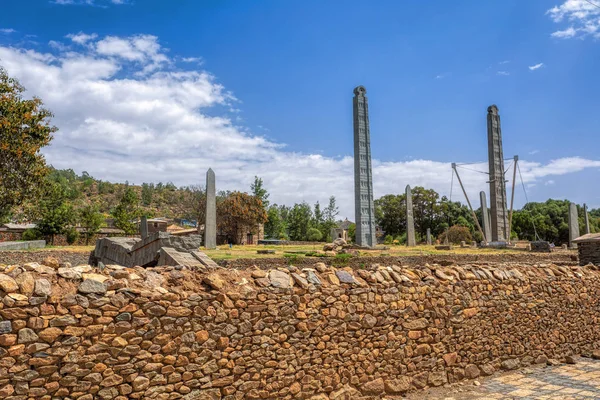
x: 410, y: 220
x: 586, y: 219
x: 364, y: 209
x: 485, y: 217
x: 573, y: 224
x: 429, y: 236
x: 210, y: 224
x: 144, y: 227
x: 498, y: 211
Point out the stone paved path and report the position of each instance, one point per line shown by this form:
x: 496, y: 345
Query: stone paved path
x: 576, y: 381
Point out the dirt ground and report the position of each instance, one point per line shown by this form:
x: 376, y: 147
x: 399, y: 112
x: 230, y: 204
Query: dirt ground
x: 241, y: 257
x: 74, y: 255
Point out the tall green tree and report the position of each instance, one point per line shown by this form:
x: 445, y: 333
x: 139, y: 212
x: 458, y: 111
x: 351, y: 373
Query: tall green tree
x: 275, y: 227
x: 299, y: 220
x: 56, y: 210
x: 91, y: 219
x: 390, y: 213
x: 329, y: 218
x: 25, y: 129
x: 259, y: 191
x: 127, y: 212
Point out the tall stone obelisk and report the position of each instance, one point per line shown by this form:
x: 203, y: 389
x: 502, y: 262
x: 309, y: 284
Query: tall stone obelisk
x: 586, y: 219
x: 210, y: 224
x: 573, y: 219
x: 485, y: 217
x: 364, y: 209
x: 499, y: 215
x: 410, y: 219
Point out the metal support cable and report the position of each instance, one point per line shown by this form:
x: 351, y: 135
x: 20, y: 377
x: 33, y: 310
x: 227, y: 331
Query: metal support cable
x: 527, y: 201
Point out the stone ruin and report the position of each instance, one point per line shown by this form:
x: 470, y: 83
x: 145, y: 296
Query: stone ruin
x: 156, y: 249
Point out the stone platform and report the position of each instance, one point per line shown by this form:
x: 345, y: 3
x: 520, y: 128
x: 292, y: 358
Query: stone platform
x: 25, y: 245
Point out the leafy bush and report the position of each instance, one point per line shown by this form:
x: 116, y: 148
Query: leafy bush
x: 31, y: 234
x: 292, y: 258
x: 72, y: 236
x: 457, y: 234
x: 314, y: 235
x: 389, y: 239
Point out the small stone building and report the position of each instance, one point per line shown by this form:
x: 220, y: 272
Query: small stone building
x: 588, y: 247
x: 341, y: 230
x: 157, y: 225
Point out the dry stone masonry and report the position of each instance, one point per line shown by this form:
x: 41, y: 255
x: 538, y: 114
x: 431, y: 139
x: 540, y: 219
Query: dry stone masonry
x: 313, y: 333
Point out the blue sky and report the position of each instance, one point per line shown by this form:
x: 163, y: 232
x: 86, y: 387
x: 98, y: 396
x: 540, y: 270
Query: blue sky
x: 156, y: 90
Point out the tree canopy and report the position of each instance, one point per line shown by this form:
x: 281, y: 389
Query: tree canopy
x: 24, y: 130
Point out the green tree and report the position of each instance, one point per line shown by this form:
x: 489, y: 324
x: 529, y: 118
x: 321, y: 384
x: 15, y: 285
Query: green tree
x: 147, y: 193
x: 127, y: 212
x: 275, y: 227
x: 238, y: 213
x: 259, y: 191
x: 299, y: 219
x: 329, y: 219
x: 56, y: 211
x: 352, y: 232
x: 91, y: 219
x: 390, y: 213
x: 314, y: 235
x: 24, y: 129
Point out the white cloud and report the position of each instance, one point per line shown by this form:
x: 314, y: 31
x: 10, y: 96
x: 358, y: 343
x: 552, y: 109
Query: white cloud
x: 536, y: 66
x: 443, y: 75
x: 532, y: 152
x: 119, y: 125
x: 549, y: 182
x: 503, y: 73
x: 7, y: 30
x: 564, y: 34
x: 582, y: 16
x: 197, y: 60
x: 82, y: 38
x: 504, y: 62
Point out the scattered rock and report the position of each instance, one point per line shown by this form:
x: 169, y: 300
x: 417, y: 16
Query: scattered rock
x: 280, y: 279
x: 51, y: 262
x: 398, y: 385
x: 8, y: 284
x: 27, y: 335
x: 510, y: 364
x: 69, y: 273
x: 214, y: 281
x: 42, y: 287
x: 92, y: 286
x: 374, y: 387
x: 570, y: 360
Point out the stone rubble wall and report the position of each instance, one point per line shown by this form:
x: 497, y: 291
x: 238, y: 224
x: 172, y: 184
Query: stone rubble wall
x: 318, y: 333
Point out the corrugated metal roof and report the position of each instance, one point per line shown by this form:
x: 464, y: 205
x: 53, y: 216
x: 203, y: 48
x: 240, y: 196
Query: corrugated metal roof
x: 590, y: 237
x: 19, y: 226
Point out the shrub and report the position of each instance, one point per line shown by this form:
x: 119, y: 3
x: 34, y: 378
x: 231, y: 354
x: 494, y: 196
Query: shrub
x: 314, y: 235
x: 292, y: 258
x: 72, y: 236
x: 457, y: 234
x: 341, y: 259
x: 31, y: 234
x: 389, y: 239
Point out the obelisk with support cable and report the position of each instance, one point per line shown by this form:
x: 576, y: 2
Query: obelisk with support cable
x: 499, y: 215
x: 364, y: 209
